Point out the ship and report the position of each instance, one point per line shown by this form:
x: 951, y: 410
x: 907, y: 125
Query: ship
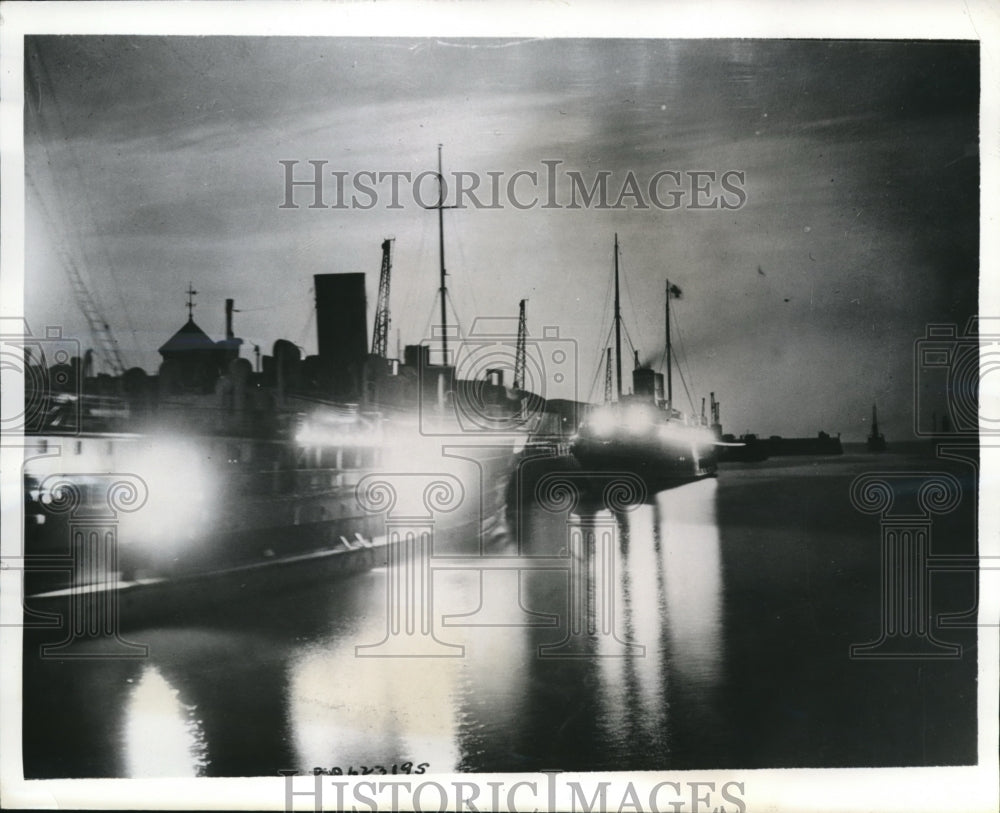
x: 876, y: 440
x: 239, y: 473
x: 822, y: 444
x: 642, y: 433
x: 207, y: 468
x: 747, y: 448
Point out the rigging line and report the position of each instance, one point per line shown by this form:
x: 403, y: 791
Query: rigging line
x: 91, y: 311
x: 310, y: 314
x: 687, y: 392
x: 600, y: 365
x: 470, y: 290
x: 597, y: 372
x: 631, y: 302
x: 607, y: 319
x: 628, y: 338
x: 303, y: 336
x: 428, y: 331
x: 684, y: 356
x: 406, y: 284
x: 413, y: 284
x: 681, y: 363
x: 458, y: 322
x: 47, y: 79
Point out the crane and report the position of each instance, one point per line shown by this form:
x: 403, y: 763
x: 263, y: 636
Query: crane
x: 99, y: 328
x: 380, y: 334
x: 519, y: 354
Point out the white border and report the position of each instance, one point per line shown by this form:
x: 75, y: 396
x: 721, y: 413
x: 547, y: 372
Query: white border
x: 932, y: 790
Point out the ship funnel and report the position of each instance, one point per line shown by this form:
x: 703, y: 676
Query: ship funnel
x: 229, y: 319
x: 342, y: 332
x: 647, y: 384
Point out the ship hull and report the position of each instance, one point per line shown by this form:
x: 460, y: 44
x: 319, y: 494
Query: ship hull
x: 821, y: 445
x: 141, y: 600
x: 659, y: 464
x: 141, y: 509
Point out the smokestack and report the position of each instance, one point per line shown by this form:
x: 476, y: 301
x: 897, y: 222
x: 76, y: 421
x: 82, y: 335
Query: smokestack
x: 229, y: 319
x: 637, y: 365
x: 342, y: 331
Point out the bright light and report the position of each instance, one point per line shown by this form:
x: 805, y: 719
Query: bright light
x: 673, y: 431
x: 327, y: 432
x: 604, y: 421
x: 637, y: 419
x: 181, y: 493
x: 162, y: 736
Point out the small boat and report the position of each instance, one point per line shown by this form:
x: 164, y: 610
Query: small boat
x: 642, y: 433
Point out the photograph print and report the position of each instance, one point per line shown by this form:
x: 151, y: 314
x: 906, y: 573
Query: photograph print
x: 427, y: 406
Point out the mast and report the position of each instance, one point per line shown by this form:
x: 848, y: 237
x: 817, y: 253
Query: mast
x: 607, y: 379
x: 670, y: 387
x: 444, y: 287
x: 874, y: 421
x: 618, y: 325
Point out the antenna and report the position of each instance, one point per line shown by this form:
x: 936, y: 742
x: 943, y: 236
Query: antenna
x: 443, y: 289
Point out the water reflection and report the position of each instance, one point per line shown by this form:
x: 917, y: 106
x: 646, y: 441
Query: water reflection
x: 347, y: 711
x: 691, y: 569
x: 277, y: 683
x: 676, y: 682
x: 608, y: 699
x: 162, y: 736
x: 668, y: 598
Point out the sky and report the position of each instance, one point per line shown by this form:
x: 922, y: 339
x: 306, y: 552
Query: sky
x: 153, y: 162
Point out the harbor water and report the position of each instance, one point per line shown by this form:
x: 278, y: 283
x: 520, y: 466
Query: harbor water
x: 724, y: 612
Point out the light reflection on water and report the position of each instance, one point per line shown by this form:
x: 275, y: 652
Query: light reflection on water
x: 668, y: 590
x: 348, y: 712
x: 162, y: 737
x: 273, y: 682
x: 692, y: 581
x: 503, y: 704
x: 279, y: 685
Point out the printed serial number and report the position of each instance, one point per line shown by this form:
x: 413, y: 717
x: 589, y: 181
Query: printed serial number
x: 361, y: 770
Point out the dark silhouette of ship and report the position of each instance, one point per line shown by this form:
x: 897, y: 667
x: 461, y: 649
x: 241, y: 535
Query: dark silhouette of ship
x: 642, y: 433
x: 821, y: 444
x: 234, y: 467
x: 243, y: 468
x: 747, y: 448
